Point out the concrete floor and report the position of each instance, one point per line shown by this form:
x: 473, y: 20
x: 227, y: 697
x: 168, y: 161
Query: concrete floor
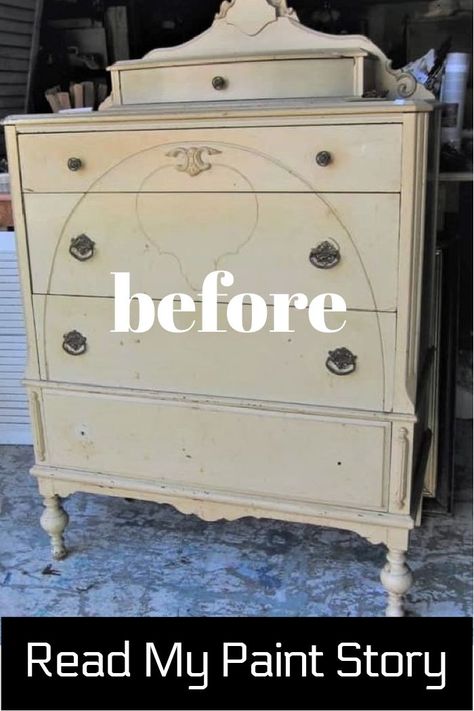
x: 139, y: 558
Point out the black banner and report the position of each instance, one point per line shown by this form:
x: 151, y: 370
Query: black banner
x: 236, y: 663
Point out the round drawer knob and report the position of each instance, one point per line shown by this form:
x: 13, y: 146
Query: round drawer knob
x: 323, y: 158
x: 74, y: 343
x: 219, y: 83
x: 341, y: 361
x: 82, y: 248
x: 74, y: 164
x: 325, y: 256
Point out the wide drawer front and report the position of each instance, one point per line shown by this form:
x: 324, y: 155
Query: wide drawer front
x: 342, y: 158
x: 277, y: 78
x: 220, y: 449
x: 290, y: 367
x: 169, y: 242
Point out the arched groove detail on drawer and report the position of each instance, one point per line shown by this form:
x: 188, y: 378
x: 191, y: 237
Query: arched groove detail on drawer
x: 239, y: 247
x: 264, y: 156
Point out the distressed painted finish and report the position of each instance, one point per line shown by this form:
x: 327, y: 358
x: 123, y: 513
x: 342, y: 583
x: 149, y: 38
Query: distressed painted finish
x: 232, y: 425
x: 198, y: 449
x: 54, y: 520
x: 185, y: 566
x: 397, y: 579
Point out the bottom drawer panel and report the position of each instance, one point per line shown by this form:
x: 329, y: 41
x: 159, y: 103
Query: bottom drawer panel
x: 283, y: 455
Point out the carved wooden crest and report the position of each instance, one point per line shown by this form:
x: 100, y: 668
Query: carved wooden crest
x: 192, y: 158
x: 255, y: 29
x: 251, y: 16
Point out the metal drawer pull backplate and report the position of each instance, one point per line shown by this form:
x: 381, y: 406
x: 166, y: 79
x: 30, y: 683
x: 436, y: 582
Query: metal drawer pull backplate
x: 341, y: 361
x: 74, y: 343
x: 82, y: 247
x: 325, y: 256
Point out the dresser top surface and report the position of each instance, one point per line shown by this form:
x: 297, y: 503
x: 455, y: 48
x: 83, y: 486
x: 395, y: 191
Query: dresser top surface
x: 284, y: 108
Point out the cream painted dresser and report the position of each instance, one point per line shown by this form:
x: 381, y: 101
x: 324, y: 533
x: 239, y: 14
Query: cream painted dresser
x: 298, y: 162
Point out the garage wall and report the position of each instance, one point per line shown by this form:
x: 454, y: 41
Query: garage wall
x: 18, y: 42
x: 14, y: 416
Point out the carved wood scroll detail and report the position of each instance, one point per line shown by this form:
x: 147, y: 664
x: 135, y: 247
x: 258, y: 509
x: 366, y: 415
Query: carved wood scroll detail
x: 193, y: 161
x: 406, y: 83
x: 403, y: 442
x: 282, y: 9
x: 37, y: 421
x: 280, y: 6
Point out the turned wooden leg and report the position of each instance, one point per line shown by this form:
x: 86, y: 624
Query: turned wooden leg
x: 54, y: 520
x: 396, y: 578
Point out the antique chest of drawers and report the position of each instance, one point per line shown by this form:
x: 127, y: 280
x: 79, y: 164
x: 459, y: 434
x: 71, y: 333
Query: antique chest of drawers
x: 251, y: 149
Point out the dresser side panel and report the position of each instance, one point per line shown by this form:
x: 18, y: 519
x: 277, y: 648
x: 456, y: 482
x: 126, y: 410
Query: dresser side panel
x: 412, y: 216
x: 32, y: 366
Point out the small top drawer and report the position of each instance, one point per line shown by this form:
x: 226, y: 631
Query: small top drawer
x: 328, y: 75
x: 324, y: 158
